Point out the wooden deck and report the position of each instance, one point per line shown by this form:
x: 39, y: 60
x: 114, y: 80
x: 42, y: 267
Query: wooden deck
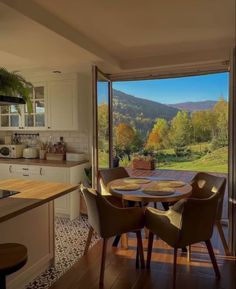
x: 185, y: 176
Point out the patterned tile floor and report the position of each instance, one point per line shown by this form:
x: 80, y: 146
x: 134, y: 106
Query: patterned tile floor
x: 70, y: 238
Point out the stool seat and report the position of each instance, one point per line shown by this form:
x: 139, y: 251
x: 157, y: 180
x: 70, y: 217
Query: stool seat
x: 13, y: 257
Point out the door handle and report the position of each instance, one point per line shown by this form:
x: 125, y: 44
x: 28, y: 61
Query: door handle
x: 10, y: 169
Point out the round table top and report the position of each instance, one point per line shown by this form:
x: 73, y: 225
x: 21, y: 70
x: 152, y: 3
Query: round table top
x: 140, y: 196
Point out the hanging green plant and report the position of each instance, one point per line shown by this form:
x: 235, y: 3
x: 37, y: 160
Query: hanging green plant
x: 12, y: 84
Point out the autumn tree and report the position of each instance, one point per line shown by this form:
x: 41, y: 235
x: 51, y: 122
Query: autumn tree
x: 203, y: 122
x: 124, y: 136
x: 181, y: 132
x: 103, y: 128
x: 220, y: 110
x: 158, y: 137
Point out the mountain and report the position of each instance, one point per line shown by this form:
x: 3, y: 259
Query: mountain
x: 141, y: 113
x: 194, y: 106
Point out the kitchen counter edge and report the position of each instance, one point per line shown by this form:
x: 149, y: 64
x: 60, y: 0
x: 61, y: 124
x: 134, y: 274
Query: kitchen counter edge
x: 38, y: 162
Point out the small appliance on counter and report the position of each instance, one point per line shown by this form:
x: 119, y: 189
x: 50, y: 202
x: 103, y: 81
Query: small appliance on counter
x: 12, y: 151
x: 30, y: 153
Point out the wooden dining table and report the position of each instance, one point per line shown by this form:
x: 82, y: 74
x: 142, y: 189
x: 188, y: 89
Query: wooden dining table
x: 139, y: 195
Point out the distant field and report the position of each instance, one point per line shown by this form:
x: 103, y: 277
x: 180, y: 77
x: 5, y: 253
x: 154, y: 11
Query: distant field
x: 200, y: 147
x: 217, y: 161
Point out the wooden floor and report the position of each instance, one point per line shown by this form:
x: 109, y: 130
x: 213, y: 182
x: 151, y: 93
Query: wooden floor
x: 121, y: 273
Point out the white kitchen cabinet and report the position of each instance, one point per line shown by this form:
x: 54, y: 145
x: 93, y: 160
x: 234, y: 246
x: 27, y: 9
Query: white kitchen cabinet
x: 55, y: 106
x: 68, y: 205
x: 63, y: 105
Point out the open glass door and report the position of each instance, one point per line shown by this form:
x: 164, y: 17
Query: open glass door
x: 102, y: 155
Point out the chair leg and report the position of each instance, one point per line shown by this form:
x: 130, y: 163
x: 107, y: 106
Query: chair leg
x: 2, y: 282
x: 140, y: 249
x: 116, y: 241
x: 213, y: 258
x: 222, y: 237
x: 90, y: 234
x: 149, y: 253
x: 189, y: 253
x: 174, y: 267
x: 102, y: 270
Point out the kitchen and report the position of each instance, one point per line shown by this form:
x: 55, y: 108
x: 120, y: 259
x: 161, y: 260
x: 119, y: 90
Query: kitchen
x: 51, y: 144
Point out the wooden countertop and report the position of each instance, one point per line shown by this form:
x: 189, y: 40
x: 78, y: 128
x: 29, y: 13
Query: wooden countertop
x: 32, y: 194
x: 38, y: 162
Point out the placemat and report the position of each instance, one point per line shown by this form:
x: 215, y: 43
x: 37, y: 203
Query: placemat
x: 128, y: 187
x: 170, y: 184
x: 137, y: 181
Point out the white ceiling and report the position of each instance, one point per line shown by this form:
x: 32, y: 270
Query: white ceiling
x: 119, y: 35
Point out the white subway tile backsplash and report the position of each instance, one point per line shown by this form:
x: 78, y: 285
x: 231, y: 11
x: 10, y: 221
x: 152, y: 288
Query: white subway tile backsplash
x: 75, y: 141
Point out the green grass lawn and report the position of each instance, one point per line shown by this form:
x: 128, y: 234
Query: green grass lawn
x: 216, y: 161
x: 200, y: 147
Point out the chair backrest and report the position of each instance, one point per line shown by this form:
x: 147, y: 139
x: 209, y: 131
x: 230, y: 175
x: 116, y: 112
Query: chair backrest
x: 90, y: 197
x: 204, y: 185
x: 200, y: 212
x: 100, y: 212
x: 108, y: 220
x: 108, y: 175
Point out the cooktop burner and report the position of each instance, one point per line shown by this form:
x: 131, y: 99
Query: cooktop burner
x: 6, y: 193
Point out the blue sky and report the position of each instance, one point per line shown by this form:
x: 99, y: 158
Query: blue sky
x: 176, y: 90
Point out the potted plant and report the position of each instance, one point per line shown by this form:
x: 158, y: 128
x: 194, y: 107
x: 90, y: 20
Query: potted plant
x: 144, y: 161
x: 13, y: 85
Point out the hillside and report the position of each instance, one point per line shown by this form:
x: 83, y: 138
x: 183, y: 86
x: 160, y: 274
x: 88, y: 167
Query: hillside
x: 141, y: 113
x: 194, y: 106
x: 216, y: 161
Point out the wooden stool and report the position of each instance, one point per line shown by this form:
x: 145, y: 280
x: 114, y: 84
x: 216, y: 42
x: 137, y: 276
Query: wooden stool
x: 12, y: 258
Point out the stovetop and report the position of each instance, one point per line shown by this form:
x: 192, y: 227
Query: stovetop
x: 6, y: 193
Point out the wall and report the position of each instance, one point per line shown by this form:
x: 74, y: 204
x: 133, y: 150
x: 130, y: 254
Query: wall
x: 75, y: 141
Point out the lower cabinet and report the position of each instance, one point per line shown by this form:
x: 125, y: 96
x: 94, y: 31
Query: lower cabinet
x: 68, y: 205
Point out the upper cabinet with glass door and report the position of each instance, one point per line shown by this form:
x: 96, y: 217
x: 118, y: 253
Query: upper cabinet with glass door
x: 17, y: 117
x: 55, y: 103
x: 36, y: 119
x: 11, y: 117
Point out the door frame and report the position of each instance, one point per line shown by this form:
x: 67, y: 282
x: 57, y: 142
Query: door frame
x: 206, y: 69
x: 95, y: 72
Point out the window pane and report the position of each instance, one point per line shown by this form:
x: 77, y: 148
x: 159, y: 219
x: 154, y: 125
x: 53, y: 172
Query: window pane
x: 39, y: 106
x: 39, y: 92
x: 103, y: 122
x: 29, y: 120
x: 4, y: 120
x: 13, y: 108
x: 5, y: 109
x: 39, y: 120
x: 14, y: 120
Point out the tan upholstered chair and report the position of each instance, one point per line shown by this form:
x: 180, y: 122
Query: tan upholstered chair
x: 189, y: 221
x: 203, y: 191
x: 108, y: 175
x: 108, y: 221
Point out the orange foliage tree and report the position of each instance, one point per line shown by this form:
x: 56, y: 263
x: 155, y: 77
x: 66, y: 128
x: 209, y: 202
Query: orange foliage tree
x: 124, y: 136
